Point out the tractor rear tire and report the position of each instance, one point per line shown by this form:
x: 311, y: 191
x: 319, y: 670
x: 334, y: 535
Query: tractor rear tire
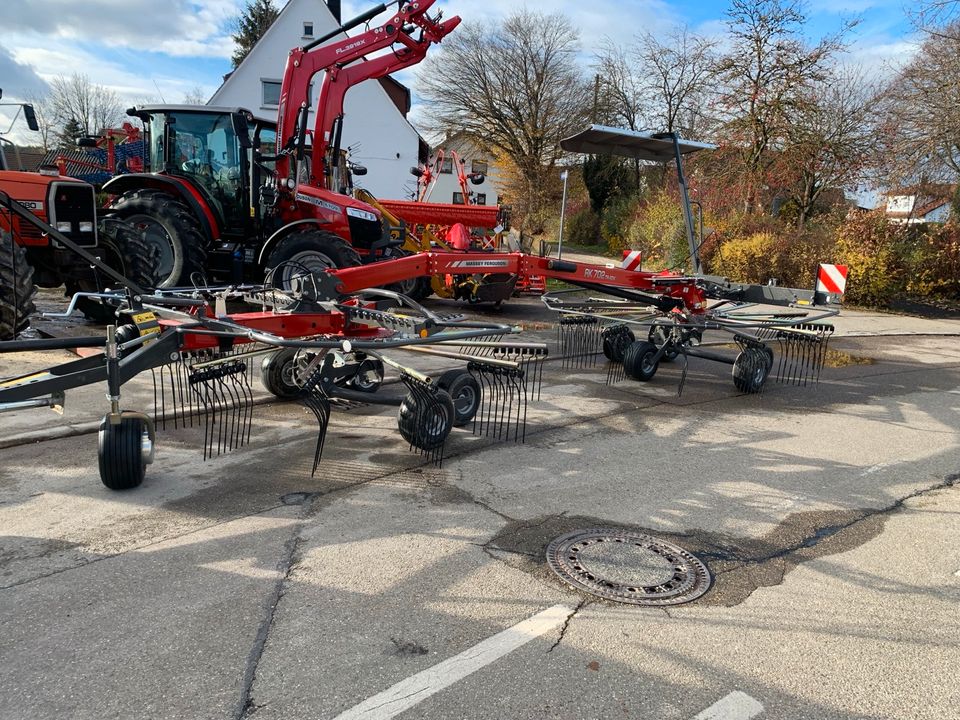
x: 638, y: 360
x: 124, y: 249
x: 309, y: 250
x: 16, y: 288
x: 171, y: 227
x: 426, y: 428
x: 465, y: 392
x: 120, y: 453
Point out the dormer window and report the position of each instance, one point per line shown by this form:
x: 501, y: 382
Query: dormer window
x: 308, y: 29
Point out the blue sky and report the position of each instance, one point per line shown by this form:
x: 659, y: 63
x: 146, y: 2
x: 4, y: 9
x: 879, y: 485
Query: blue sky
x: 191, y: 47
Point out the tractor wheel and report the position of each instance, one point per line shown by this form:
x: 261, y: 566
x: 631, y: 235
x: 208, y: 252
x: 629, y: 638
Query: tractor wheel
x: 406, y: 287
x: 465, y: 392
x: 123, y: 249
x: 278, y: 373
x: 16, y: 288
x: 169, y: 226
x: 638, y: 360
x: 308, y: 251
x: 122, y: 453
x: 751, y: 368
x: 426, y: 427
x: 423, y: 290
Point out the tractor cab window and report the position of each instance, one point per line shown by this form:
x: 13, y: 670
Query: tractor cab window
x: 205, y: 150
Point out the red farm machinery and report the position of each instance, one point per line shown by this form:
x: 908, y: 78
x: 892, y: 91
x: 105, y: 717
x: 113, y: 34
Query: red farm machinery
x: 31, y: 257
x: 230, y: 199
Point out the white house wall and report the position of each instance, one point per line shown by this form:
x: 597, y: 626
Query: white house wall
x: 382, y: 139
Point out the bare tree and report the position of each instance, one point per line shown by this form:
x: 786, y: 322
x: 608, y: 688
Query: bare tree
x: 677, y: 76
x: 619, y: 97
x: 83, y: 105
x: 514, y: 89
x: 765, y: 73
x: 195, y: 96
x: 828, y: 139
x: 46, y: 119
x: 922, y: 108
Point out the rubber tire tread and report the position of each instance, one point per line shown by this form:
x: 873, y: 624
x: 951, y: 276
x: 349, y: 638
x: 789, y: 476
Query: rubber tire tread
x: 330, y: 244
x: 633, y: 360
x: 271, y: 374
x: 407, y: 418
x: 175, y: 216
x: 452, y: 381
x: 119, y: 453
x: 16, y: 301
x: 136, y: 256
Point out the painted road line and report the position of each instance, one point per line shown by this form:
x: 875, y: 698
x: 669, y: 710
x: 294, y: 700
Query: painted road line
x: 417, y: 688
x: 735, y: 706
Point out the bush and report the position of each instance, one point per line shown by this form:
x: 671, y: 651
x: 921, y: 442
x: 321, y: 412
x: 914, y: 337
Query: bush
x: 933, y: 267
x: 872, y: 248
x: 614, y: 221
x: 583, y: 228
x: 657, y: 230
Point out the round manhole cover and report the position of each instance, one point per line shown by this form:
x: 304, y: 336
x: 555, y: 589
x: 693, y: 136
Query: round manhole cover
x: 628, y: 567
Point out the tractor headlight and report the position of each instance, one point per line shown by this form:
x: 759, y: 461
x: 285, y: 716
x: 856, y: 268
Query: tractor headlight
x: 63, y: 227
x: 86, y: 227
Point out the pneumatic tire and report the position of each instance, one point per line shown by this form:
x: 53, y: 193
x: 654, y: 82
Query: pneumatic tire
x: 278, y: 373
x: 464, y: 391
x: 308, y: 251
x: 17, y: 289
x: 120, y: 453
x: 169, y: 226
x: 426, y: 427
x: 639, y: 360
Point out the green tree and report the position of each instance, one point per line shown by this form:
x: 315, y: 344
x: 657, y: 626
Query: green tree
x: 72, y: 129
x: 251, y: 26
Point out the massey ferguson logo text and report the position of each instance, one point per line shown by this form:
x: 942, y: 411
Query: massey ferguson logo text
x: 480, y: 263
x: 319, y: 203
x: 35, y: 205
x: 591, y: 274
x: 351, y: 46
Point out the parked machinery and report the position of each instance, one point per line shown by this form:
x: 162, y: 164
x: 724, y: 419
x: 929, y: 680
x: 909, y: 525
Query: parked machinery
x: 229, y: 199
x: 30, y: 257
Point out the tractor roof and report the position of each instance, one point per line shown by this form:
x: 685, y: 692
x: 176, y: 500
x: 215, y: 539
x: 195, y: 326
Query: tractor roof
x: 655, y: 147
x: 139, y: 110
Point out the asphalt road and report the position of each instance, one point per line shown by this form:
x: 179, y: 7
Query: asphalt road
x: 383, y: 587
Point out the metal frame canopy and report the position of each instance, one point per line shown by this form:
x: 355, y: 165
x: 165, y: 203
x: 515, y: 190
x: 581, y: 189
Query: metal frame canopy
x: 654, y: 147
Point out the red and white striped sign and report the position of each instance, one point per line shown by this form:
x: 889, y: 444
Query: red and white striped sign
x: 832, y: 279
x: 631, y: 260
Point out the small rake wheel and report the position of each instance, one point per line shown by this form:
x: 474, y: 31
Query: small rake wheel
x: 369, y: 375
x: 424, y: 421
x: 278, y: 373
x: 751, y: 369
x: 659, y: 336
x: 121, y: 451
x: 640, y: 360
x: 615, y: 344
x: 465, y: 392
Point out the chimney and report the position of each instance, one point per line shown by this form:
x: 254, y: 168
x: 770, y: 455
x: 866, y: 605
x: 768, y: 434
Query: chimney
x: 334, y: 6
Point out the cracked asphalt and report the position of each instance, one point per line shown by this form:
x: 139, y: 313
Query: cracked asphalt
x: 242, y: 587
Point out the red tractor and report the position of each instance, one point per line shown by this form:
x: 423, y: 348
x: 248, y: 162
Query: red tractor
x: 228, y: 198
x: 30, y: 257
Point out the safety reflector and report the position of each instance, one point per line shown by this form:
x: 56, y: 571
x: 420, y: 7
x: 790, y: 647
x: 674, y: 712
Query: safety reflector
x: 832, y: 279
x: 631, y: 260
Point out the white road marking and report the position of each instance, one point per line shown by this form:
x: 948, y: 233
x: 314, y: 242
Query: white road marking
x: 417, y: 688
x: 735, y: 706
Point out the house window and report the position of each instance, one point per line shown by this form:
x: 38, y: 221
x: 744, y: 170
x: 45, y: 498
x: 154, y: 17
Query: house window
x: 458, y: 198
x: 271, y: 92
x: 478, y: 166
x: 481, y: 198
x: 308, y: 29
x: 447, y: 166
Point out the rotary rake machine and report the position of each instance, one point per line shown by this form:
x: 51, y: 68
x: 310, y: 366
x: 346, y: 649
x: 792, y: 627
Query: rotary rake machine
x: 317, y: 343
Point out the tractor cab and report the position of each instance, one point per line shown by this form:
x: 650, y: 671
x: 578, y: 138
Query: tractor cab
x: 206, y: 148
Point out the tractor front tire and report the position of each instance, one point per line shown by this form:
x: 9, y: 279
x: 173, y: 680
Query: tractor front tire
x: 308, y: 251
x: 120, y: 453
x: 16, y: 288
x: 124, y: 249
x: 170, y: 226
x: 465, y: 392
